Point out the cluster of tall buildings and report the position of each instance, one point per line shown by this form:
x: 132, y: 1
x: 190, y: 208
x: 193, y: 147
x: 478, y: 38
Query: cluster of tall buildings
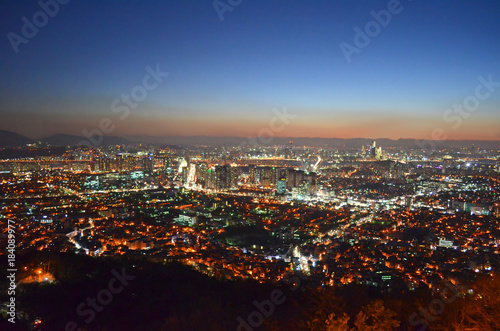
x: 212, y: 177
x: 229, y: 176
x: 128, y: 162
x: 372, y: 151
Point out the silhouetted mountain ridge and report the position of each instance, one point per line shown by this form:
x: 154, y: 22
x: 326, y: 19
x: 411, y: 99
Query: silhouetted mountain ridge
x: 71, y: 140
x: 11, y: 139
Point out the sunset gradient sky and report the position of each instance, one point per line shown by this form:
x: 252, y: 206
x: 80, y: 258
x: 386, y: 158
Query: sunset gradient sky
x: 226, y: 77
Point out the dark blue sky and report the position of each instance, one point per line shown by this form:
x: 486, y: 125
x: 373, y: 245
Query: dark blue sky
x: 226, y: 77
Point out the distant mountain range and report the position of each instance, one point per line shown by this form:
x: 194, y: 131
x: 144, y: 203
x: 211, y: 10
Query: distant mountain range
x: 11, y: 139
x: 70, y: 140
x: 316, y: 142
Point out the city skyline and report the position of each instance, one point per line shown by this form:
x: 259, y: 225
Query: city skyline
x: 250, y: 165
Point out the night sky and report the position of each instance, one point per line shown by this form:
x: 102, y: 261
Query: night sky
x: 225, y: 77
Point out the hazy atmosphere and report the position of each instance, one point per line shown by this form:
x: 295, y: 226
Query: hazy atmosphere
x: 250, y: 165
x: 393, y: 80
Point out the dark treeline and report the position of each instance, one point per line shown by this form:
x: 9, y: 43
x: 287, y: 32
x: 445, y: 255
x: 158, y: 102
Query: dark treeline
x: 154, y: 296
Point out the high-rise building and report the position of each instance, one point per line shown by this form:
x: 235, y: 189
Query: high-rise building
x: 281, y: 186
x: 147, y: 164
x: 104, y: 164
x: 375, y: 152
x: 167, y: 162
x: 234, y: 174
x: 210, y: 178
x: 222, y: 177
x: 408, y: 202
x: 119, y: 162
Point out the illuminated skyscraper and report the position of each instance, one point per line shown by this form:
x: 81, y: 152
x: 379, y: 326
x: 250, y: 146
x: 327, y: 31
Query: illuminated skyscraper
x: 281, y: 186
x: 375, y: 152
x: 147, y: 164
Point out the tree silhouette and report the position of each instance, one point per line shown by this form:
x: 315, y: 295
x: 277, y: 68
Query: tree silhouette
x: 479, y: 311
x: 376, y: 317
x: 337, y: 323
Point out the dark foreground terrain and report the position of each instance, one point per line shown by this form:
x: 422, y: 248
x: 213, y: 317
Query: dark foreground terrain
x: 137, y: 294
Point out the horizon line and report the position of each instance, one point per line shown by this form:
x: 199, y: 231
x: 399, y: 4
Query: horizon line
x: 243, y: 137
